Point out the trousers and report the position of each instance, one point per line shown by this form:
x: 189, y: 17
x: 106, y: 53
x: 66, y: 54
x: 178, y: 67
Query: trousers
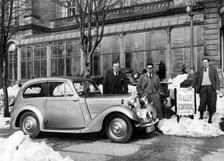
x: 208, y: 99
x: 155, y: 98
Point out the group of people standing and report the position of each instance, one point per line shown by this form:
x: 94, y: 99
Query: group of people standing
x: 148, y: 86
x: 206, y: 83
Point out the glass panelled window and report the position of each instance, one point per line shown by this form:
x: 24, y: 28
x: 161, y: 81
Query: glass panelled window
x: 134, y: 51
x: 33, y: 62
x: 142, y: 48
x: 65, y: 11
x: 40, y: 63
x: 73, y: 62
x: 27, y: 63
x: 105, y: 54
x: 23, y: 64
x: 12, y: 62
x: 155, y: 43
x: 180, y: 47
x: 65, y: 59
x: 57, y: 61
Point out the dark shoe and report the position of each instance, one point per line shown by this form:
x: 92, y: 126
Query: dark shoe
x: 210, y: 117
x: 159, y: 131
x: 201, y: 115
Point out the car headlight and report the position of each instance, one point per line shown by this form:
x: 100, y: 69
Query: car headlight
x: 134, y: 103
x: 144, y: 110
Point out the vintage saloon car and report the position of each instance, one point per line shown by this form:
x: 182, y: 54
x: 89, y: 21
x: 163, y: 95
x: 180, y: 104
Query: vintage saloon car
x: 76, y: 105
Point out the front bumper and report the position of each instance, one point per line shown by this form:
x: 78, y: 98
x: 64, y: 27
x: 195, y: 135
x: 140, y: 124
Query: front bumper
x: 145, y: 124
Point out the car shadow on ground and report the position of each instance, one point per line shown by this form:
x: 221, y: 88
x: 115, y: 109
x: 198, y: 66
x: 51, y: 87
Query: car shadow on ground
x: 91, y: 137
x: 87, y: 137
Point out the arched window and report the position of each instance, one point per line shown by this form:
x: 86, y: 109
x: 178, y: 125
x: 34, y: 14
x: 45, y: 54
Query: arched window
x: 40, y: 63
x: 12, y: 59
x: 57, y: 61
x: 33, y: 62
x: 72, y: 59
x: 65, y: 59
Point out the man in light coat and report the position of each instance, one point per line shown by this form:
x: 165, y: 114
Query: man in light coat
x: 149, y: 86
x: 206, y: 83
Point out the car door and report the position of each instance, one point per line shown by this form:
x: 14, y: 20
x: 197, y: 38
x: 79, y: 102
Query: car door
x: 62, y: 107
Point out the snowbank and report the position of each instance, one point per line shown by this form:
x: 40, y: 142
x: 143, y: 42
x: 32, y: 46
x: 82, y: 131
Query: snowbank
x: 4, y: 122
x: 19, y: 147
x: 12, y: 91
x: 193, y: 127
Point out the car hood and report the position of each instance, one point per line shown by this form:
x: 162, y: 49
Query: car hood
x: 146, y: 112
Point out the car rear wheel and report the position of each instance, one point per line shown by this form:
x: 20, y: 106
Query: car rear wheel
x: 119, y: 128
x: 29, y: 124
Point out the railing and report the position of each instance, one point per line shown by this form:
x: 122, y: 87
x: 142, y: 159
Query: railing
x: 123, y: 12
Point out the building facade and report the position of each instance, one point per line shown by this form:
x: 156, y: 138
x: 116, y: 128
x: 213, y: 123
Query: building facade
x: 153, y: 31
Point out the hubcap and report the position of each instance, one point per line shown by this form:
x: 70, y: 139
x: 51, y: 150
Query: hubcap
x: 118, y: 127
x: 29, y: 124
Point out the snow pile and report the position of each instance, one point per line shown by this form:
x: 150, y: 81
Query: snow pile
x: 193, y: 127
x: 19, y: 147
x: 175, y: 82
x: 12, y: 91
x: 4, y: 122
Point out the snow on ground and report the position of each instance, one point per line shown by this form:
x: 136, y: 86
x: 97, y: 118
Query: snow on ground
x: 193, y: 127
x: 19, y: 147
x: 12, y: 91
x: 4, y: 122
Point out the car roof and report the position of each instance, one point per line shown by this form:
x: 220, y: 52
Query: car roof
x: 73, y: 79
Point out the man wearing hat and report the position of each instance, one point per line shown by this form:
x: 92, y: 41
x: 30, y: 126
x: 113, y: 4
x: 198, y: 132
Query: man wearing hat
x: 206, y: 83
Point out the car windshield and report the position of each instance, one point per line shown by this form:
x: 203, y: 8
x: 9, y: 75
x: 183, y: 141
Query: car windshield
x: 86, y: 87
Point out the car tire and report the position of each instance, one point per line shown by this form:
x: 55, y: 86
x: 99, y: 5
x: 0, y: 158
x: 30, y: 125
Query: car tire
x: 119, y: 128
x: 29, y: 124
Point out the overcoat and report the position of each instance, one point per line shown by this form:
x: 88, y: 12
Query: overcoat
x: 213, y: 75
x: 110, y: 81
x: 142, y: 83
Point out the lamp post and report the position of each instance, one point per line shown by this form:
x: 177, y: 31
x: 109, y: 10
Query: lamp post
x: 189, y: 8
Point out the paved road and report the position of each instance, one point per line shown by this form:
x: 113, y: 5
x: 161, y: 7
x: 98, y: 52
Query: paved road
x: 153, y: 147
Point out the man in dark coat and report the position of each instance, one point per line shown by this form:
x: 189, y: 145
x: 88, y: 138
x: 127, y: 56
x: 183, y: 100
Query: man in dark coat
x: 206, y: 83
x: 115, y: 81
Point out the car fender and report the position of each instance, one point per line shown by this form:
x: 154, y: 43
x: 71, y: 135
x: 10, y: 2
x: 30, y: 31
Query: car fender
x: 97, y: 123
x: 30, y: 108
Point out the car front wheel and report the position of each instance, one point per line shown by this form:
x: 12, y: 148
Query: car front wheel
x: 29, y: 124
x: 119, y: 128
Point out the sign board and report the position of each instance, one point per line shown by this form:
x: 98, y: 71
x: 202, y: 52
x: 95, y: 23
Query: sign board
x: 185, y: 101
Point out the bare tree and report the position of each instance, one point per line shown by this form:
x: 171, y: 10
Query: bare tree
x: 90, y: 16
x: 10, y: 12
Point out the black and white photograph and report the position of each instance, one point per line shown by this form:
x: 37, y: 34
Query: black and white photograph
x: 111, y: 80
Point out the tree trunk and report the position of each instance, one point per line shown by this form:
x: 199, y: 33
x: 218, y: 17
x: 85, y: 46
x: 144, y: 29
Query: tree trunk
x: 87, y: 69
x: 4, y: 81
x: 6, y: 100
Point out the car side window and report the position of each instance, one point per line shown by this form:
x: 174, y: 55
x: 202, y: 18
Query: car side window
x: 60, y: 89
x: 85, y: 87
x: 36, y: 90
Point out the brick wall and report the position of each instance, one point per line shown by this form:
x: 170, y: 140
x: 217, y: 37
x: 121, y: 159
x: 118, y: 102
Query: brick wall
x: 212, y: 32
x: 47, y: 9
